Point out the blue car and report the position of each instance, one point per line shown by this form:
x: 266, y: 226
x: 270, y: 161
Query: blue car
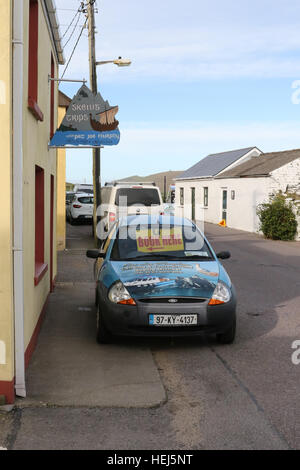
x: 159, y: 276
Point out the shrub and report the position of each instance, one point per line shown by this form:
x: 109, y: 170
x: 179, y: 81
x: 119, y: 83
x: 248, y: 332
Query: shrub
x: 277, y: 218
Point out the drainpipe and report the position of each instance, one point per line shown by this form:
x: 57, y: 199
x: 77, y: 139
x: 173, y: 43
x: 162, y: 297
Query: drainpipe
x: 17, y: 74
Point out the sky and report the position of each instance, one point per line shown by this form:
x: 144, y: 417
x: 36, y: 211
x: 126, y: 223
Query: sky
x: 205, y: 77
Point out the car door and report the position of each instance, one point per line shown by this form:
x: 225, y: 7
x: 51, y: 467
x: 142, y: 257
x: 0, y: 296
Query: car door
x: 103, y: 249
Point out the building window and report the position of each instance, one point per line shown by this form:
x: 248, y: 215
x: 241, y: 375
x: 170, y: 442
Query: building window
x: 181, y: 196
x: 205, y: 196
x: 52, y: 99
x: 33, y: 60
x: 40, y: 266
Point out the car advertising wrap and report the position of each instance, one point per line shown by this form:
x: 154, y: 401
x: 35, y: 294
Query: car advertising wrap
x: 155, y: 240
x: 163, y: 279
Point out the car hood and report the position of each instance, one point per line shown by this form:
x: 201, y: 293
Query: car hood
x: 172, y: 278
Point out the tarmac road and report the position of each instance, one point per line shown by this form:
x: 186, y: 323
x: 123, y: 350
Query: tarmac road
x: 205, y: 396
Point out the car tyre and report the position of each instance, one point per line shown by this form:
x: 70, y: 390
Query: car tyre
x: 103, y: 335
x: 228, y: 336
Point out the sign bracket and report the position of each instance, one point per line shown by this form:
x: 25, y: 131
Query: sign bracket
x: 65, y: 80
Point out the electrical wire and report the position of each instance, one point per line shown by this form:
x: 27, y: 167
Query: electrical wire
x: 79, y: 36
x: 78, y: 11
x: 71, y: 35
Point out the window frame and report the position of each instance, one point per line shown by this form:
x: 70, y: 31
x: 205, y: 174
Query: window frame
x: 33, y: 60
x: 40, y: 267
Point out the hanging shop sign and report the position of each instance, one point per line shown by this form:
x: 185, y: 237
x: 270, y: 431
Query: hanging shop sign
x: 89, y: 122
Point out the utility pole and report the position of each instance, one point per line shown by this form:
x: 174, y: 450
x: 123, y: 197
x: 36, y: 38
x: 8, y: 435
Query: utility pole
x: 93, y: 84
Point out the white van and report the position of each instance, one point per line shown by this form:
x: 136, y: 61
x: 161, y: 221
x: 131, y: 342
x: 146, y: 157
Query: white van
x: 121, y: 198
x: 83, y: 188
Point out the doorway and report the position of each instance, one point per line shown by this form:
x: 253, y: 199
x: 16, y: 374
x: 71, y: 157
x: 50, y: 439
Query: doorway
x: 224, y: 205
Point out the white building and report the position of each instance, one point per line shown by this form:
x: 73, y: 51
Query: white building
x: 231, y: 185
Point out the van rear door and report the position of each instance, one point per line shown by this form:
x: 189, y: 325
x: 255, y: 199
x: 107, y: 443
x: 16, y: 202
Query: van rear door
x: 138, y: 200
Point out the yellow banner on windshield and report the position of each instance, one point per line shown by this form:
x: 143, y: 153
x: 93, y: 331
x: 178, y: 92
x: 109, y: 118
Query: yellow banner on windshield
x: 155, y: 240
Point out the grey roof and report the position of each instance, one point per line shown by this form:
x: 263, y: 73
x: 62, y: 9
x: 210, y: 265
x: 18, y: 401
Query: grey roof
x: 262, y: 165
x: 214, y: 163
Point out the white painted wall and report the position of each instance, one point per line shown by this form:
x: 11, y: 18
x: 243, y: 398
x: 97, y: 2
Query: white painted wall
x: 241, y: 211
x: 249, y: 193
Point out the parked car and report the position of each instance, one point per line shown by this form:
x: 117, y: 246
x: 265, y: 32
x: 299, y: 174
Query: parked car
x: 80, y: 208
x: 127, y: 198
x: 163, y: 280
x: 69, y: 197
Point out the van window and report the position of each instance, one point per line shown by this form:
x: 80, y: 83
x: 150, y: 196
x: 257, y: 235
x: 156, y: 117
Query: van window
x: 87, y: 190
x: 145, y: 196
x: 105, y: 194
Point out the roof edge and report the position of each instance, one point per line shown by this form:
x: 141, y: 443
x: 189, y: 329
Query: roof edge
x: 51, y: 17
x: 246, y: 149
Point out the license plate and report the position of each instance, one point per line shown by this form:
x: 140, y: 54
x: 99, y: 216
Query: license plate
x: 88, y: 216
x: 172, y: 320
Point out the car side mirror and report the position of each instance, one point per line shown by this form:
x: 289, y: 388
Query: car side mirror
x: 223, y: 255
x: 94, y: 254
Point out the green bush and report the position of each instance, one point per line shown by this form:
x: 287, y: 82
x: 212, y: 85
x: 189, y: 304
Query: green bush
x: 277, y: 219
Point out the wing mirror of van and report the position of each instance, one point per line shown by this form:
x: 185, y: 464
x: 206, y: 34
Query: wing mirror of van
x: 223, y: 255
x: 94, y: 254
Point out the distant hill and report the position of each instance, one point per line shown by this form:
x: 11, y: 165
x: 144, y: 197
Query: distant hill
x: 157, y: 178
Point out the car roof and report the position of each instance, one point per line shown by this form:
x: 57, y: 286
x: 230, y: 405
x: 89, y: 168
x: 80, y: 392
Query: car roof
x: 154, y: 219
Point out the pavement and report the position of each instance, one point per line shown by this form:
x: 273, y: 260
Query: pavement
x: 68, y: 366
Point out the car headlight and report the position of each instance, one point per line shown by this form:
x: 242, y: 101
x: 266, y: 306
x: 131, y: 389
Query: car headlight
x: 221, y: 294
x: 118, y: 294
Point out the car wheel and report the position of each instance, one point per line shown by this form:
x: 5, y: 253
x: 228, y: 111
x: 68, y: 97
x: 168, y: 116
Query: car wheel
x: 72, y: 221
x: 228, y: 336
x: 103, y: 335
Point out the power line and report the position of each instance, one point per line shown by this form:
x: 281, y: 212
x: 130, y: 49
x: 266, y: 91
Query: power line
x: 71, y: 35
x: 65, y: 69
x: 66, y: 9
x: 78, y: 11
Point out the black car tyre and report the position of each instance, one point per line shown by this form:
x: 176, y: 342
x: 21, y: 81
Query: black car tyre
x: 103, y: 335
x: 228, y: 336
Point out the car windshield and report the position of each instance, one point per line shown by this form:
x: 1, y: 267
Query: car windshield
x: 142, y: 196
x: 86, y: 200
x: 144, y: 243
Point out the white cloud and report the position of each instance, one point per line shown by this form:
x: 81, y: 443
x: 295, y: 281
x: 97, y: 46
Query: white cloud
x: 199, y: 46
x: 275, y: 134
